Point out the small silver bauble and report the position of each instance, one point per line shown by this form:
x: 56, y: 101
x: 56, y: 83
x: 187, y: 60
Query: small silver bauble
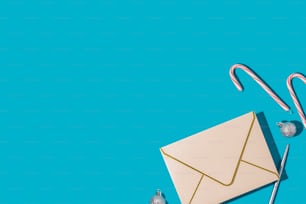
x: 157, y: 198
x: 287, y: 129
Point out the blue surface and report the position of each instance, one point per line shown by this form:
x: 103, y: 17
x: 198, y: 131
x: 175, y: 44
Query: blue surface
x: 89, y: 91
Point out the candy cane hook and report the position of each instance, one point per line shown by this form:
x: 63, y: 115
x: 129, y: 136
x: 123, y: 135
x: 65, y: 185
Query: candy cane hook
x: 293, y: 95
x: 258, y: 80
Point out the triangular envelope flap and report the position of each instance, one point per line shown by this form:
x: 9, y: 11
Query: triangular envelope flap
x: 215, y: 152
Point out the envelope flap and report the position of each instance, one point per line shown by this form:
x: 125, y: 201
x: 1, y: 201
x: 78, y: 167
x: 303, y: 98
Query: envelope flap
x: 214, y: 152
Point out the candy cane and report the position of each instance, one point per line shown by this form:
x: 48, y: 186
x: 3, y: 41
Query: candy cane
x: 293, y: 95
x: 258, y: 80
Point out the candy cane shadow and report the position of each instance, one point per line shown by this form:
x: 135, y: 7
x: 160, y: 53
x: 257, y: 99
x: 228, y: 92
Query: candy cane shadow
x: 274, y: 152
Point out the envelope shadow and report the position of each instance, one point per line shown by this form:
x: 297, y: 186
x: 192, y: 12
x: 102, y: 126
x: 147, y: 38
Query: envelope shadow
x: 274, y: 152
x: 269, y: 139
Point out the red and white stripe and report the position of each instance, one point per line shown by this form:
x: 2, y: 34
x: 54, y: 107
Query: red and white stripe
x: 258, y: 80
x: 293, y: 95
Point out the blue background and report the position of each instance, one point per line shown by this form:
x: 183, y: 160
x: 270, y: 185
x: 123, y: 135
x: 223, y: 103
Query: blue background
x: 90, y: 90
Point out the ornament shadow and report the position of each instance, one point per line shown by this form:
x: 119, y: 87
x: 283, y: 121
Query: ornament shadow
x: 299, y: 127
x: 164, y: 196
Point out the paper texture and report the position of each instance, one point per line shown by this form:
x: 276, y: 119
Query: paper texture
x: 220, y: 163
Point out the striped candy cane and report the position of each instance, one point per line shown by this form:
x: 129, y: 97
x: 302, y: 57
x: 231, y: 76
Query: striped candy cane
x: 258, y: 80
x: 293, y: 95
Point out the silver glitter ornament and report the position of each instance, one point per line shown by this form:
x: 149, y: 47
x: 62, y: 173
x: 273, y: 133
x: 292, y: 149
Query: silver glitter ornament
x: 287, y: 129
x: 157, y: 198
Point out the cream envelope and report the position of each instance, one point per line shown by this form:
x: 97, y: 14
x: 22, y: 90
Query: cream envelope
x: 220, y: 163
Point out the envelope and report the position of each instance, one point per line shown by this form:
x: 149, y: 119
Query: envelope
x: 220, y: 163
